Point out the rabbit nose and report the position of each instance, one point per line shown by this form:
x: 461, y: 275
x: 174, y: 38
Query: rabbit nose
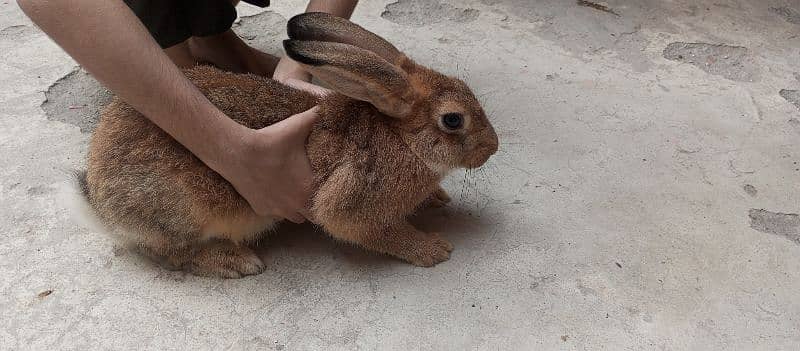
x: 492, y: 145
x: 482, y: 153
x: 489, y: 147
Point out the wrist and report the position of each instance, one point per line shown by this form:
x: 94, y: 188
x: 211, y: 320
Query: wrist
x: 232, y: 140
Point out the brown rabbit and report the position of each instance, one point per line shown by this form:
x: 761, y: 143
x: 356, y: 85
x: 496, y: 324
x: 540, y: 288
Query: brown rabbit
x: 382, y: 144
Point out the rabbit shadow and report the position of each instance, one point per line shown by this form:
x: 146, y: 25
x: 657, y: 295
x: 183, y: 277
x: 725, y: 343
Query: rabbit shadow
x: 307, y: 242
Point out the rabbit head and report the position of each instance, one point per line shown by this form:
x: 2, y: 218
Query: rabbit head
x: 437, y: 116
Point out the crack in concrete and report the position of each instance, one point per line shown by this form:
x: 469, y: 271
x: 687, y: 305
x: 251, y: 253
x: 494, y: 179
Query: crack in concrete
x: 597, y: 7
x: 15, y: 28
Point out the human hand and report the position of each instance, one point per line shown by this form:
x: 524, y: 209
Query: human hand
x: 292, y: 74
x: 270, y: 168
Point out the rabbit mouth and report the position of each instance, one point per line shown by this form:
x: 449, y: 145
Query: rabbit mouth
x: 439, y: 168
x: 472, y: 164
x: 480, y: 156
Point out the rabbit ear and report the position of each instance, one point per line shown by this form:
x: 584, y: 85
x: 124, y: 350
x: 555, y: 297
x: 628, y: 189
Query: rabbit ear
x: 355, y: 72
x: 320, y: 26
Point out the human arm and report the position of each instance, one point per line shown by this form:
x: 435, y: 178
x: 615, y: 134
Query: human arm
x: 268, y: 167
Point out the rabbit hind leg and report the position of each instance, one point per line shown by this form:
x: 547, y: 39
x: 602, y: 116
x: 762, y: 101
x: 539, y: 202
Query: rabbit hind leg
x: 214, y: 257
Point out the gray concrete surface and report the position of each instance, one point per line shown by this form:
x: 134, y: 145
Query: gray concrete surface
x: 645, y: 196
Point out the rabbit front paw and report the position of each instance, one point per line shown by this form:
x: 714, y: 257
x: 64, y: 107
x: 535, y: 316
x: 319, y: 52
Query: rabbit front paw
x: 437, y: 199
x: 429, y: 251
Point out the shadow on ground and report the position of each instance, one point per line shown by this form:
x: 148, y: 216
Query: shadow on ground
x: 304, y: 242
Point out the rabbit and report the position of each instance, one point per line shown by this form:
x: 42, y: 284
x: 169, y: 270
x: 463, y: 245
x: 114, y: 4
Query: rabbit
x: 385, y: 138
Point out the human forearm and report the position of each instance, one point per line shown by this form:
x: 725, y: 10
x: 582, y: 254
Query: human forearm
x: 268, y: 167
x: 341, y: 8
x: 107, y: 39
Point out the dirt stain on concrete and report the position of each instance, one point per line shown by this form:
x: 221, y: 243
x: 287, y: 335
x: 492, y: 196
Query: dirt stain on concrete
x: 540, y: 280
x: 788, y: 14
x: 750, y: 190
x: 426, y: 12
x: 783, y: 224
x: 39, y: 190
x: 19, y: 34
x: 795, y: 123
x: 584, y: 31
x: 264, y: 31
x: 792, y: 96
x: 731, y: 62
x: 77, y: 99
x: 585, y: 290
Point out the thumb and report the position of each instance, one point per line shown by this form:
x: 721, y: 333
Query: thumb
x: 302, y: 122
x: 306, y: 86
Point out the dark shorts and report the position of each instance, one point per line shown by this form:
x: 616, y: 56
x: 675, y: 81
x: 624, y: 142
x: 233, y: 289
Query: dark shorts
x: 171, y: 22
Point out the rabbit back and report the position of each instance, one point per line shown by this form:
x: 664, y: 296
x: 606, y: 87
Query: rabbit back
x: 141, y: 179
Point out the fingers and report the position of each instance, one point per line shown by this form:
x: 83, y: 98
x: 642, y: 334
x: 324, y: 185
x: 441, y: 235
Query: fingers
x: 294, y: 211
x: 306, y: 86
x: 291, y: 177
x: 299, y: 216
x: 302, y: 122
x: 295, y: 127
x: 295, y: 217
x: 305, y: 213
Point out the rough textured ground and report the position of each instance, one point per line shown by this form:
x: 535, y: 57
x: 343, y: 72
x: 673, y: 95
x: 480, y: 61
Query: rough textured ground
x: 645, y: 196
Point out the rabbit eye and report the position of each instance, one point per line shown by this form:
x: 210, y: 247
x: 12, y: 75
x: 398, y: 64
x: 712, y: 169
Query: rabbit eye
x: 452, y: 120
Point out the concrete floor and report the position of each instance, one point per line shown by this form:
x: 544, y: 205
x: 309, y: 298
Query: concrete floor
x: 644, y: 197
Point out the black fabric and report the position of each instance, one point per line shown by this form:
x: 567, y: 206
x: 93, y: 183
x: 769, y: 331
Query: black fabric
x: 171, y: 22
x: 259, y: 3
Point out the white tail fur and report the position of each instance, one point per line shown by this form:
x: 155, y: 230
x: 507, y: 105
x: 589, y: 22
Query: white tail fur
x: 75, y: 199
